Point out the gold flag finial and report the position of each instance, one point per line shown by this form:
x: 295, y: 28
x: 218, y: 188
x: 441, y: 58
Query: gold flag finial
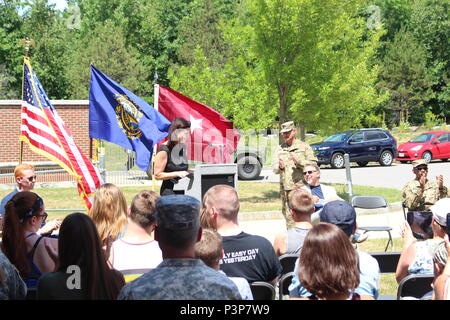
x: 27, y: 42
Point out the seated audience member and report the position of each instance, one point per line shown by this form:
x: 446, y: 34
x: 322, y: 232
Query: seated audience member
x: 12, y: 286
x: 421, y: 193
x: 24, y: 215
x: 79, y: 255
x: 441, y: 271
x: 343, y: 215
x: 180, y: 276
x: 25, y: 179
x: 301, y: 206
x: 321, y: 193
x: 137, y: 249
x: 248, y: 256
x: 328, y: 266
x: 417, y: 255
x: 210, y: 250
x: 109, y: 212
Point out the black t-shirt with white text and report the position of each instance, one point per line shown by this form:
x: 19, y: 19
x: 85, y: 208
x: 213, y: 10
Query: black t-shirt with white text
x: 251, y: 257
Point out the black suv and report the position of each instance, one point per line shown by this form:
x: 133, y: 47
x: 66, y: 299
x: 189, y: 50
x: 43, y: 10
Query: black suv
x: 362, y: 145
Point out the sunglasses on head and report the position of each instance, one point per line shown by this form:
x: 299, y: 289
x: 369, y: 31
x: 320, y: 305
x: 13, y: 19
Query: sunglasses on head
x: 308, y: 172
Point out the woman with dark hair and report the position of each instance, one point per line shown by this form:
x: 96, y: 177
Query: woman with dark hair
x: 82, y: 271
x: 24, y: 214
x: 329, y: 266
x: 170, y: 162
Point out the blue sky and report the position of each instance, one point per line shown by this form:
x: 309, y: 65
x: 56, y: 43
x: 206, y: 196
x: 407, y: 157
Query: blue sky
x: 60, y: 4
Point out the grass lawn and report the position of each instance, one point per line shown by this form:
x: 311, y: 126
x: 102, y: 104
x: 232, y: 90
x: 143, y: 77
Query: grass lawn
x: 254, y: 196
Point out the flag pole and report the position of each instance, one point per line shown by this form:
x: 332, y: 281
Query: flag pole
x: 26, y: 43
x: 155, y: 104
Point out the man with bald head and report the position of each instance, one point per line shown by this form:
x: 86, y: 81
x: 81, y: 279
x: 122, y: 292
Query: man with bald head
x: 248, y: 256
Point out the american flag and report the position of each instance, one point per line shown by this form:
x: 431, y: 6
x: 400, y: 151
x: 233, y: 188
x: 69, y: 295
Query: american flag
x: 47, y: 135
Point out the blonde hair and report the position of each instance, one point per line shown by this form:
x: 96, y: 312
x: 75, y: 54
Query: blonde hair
x: 19, y: 170
x: 301, y: 201
x: 109, y: 211
x: 209, y: 248
x: 225, y: 199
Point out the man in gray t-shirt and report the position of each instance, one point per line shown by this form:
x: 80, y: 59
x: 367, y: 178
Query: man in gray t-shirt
x: 301, y: 207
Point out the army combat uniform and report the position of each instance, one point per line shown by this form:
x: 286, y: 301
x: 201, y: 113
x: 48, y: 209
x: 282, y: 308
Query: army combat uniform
x: 291, y: 176
x: 416, y: 199
x: 181, y: 279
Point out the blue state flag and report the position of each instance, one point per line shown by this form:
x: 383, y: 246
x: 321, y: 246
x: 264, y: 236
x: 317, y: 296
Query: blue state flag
x: 119, y: 116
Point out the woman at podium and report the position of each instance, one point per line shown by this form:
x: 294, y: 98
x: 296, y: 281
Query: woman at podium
x: 171, y: 162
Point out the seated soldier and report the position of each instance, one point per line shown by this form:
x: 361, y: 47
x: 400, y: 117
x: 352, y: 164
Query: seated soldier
x: 421, y: 193
x: 180, y: 276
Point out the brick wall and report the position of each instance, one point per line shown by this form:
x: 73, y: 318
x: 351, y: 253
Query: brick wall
x: 75, y: 114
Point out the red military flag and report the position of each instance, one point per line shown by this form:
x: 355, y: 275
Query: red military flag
x: 213, y: 137
x: 46, y: 133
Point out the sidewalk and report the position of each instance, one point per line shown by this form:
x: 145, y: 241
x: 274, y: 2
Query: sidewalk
x: 269, y: 223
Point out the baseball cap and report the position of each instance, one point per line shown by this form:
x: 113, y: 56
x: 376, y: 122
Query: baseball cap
x: 440, y: 210
x: 287, y: 126
x: 341, y: 214
x: 419, y: 162
x: 178, y: 212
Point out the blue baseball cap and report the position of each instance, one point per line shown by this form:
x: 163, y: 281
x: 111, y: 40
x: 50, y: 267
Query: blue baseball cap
x: 341, y: 214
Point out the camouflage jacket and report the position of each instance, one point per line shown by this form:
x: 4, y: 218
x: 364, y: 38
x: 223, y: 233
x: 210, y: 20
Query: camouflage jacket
x: 292, y: 175
x: 416, y: 199
x: 12, y: 286
x: 181, y: 279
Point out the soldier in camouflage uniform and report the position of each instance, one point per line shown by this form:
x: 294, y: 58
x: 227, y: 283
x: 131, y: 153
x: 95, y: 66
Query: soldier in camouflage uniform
x: 288, y: 161
x: 420, y: 194
x: 180, y: 276
x: 12, y: 286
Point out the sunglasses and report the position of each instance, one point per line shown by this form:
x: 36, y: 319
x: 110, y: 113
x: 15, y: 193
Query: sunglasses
x: 31, y: 179
x: 308, y: 172
x: 44, y: 215
x: 422, y: 168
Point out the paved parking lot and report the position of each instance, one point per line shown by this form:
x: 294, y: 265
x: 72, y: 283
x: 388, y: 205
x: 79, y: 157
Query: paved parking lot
x: 394, y: 176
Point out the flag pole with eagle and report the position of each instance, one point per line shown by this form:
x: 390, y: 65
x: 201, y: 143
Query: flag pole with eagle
x: 47, y: 135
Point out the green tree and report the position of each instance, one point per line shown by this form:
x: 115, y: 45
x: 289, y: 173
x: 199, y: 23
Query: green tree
x: 430, y: 25
x: 106, y: 49
x: 405, y: 77
x: 11, y: 52
x: 316, y: 56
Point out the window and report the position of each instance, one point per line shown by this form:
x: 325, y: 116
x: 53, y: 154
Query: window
x: 357, y: 137
x: 443, y: 137
x: 371, y: 135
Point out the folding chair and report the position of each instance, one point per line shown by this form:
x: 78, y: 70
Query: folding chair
x: 415, y: 285
x: 31, y: 293
x: 262, y: 290
x: 372, y: 202
x: 288, y: 262
x: 283, y: 284
x: 387, y: 260
x: 132, y: 274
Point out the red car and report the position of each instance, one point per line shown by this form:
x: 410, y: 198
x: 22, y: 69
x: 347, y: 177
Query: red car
x: 428, y: 145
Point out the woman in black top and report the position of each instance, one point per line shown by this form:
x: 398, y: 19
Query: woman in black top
x: 171, y: 162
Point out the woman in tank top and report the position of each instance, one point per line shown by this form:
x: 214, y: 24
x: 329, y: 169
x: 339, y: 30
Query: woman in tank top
x: 170, y: 162
x: 21, y: 242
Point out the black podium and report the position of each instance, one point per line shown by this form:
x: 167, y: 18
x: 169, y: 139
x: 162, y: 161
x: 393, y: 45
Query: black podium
x: 205, y: 176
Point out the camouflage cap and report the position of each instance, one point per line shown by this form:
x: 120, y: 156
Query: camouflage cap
x: 287, y: 126
x: 178, y: 212
x: 419, y: 162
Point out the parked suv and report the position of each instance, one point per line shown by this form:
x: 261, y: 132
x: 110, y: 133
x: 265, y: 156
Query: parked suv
x: 362, y: 145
